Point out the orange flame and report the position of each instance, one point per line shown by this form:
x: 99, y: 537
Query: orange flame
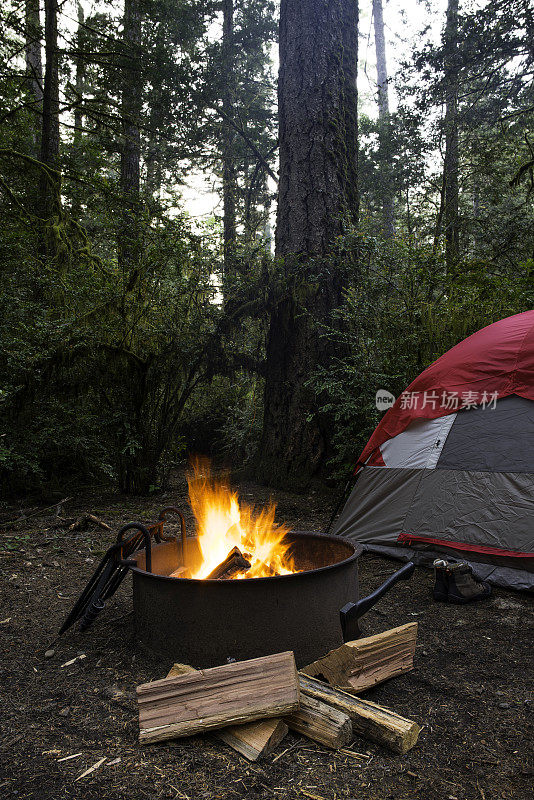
x: 223, y: 523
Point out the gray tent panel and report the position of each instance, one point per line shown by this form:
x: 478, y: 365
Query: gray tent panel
x: 481, y: 509
x: 496, y: 439
x: 484, y: 509
x: 378, y: 504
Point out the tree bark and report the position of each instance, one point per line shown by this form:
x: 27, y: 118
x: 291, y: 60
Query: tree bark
x: 317, y: 100
x: 34, y: 65
x: 50, y: 130
x: 129, y: 244
x: 50, y: 180
x: 388, y: 211
x: 228, y: 138
x: 452, y: 243
x: 80, y: 71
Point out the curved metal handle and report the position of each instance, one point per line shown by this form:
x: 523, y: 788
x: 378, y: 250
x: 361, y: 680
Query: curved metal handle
x: 146, y: 537
x: 351, y: 612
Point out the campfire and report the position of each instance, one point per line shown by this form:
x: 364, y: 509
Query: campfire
x: 235, y: 541
x: 192, y: 595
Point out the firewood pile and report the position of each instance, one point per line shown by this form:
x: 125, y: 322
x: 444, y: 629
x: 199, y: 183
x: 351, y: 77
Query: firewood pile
x: 251, y: 705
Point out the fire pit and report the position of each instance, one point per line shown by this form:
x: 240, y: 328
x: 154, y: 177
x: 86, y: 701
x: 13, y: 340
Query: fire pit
x: 207, y: 621
x: 242, y: 587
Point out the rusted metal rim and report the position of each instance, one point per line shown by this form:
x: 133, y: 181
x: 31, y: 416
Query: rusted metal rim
x: 357, y: 551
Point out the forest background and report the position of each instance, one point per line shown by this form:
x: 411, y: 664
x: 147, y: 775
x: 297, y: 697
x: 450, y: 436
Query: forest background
x: 147, y: 157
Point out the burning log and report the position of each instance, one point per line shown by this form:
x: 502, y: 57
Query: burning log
x: 368, y: 719
x: 221, y: 516
x: 255, y: 740
x: 359, y: 665
x: 235, y: 693
x: 233, y: 564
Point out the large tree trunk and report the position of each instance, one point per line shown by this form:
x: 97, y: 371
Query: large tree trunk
x: 50, y: 130
x: 317, y: 99
x: 388, y: 211
x: 153, y: 157
x: 452, y: 245
x: 80, y: 72
x: 228, y: 138
x: 129, y: 232
x: 50, y: 182
x: 34, y: 66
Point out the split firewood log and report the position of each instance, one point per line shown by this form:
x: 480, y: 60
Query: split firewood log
x: 361, y: 664
x: 369, y: 720
x: 321, y: 722
x: 253, y: 740
x: 235, y: 693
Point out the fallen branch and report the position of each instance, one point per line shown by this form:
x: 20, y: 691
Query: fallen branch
x: 37, y: 513
x: 83, y: 522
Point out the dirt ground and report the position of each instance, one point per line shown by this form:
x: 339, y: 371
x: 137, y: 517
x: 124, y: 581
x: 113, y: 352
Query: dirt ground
x: 471, y: 689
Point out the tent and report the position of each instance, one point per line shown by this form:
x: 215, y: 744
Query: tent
x: 450, y: 467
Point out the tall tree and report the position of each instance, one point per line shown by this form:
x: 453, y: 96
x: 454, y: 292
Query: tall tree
x: 451, y: 163
x: 317, y: 102
x: 80, y: 70
x: 388, y: 212
x: 244, y: 134
x: 34, y: 66
x: 50, y: 130
x: 129, y: 243
x: 228, y: 136
x: 50, y: 179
